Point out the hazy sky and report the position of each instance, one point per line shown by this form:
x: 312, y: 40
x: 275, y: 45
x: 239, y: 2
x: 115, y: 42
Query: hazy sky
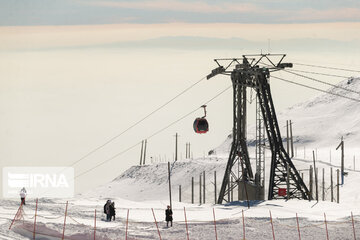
x: 74, y: 74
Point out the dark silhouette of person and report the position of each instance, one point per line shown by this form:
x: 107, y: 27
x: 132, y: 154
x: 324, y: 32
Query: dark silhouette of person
x: 169, y: 216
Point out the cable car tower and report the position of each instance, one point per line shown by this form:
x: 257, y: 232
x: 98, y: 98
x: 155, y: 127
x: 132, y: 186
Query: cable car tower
x: 253, y: 71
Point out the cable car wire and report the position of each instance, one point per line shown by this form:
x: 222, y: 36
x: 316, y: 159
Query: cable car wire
x: 323, y: 82
x: 317, y: 89
x: 137, y: 123
x: 152, y: 135
x: 333, y: 68
x: 316, y: 80
x: 318, y: 73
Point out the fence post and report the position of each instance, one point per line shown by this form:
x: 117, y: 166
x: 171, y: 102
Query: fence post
x: 169, y: 184
x: 215, y: 185
x: 272, y: 226
x: 200, y: 185
x: 331, y: 185
x: 298, y: 227
x: 215, y: 224
x: 192, y: 190
x: 323, y: 184
x: 95, y: 226
x: 35, y: 219
x: 156, y: 223
x: 353, y: 225
x: 179, y: 193
x: 327, y: 233
x: 17, y: 212
x: 204, y: 186
x: 337, y: 186
x: 316, y: 178
x: 311, y: 182
x: 232, y: 192
x: 187, y: 229
x: 127, y: 224
x: 63, y: 235
x: 243, y: 219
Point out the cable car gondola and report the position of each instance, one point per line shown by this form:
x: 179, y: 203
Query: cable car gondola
x: 201, y: 125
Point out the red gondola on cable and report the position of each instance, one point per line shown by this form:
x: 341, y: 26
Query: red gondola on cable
x: 201, y: 124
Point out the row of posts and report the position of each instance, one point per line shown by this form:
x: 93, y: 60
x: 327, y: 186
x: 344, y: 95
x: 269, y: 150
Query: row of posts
x: 313, y: 181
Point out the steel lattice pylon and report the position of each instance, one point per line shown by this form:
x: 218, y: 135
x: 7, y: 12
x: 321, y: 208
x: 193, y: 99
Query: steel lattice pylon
x: 249, y: 74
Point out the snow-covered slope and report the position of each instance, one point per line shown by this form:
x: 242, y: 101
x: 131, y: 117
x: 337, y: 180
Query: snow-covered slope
x: 318, y: 123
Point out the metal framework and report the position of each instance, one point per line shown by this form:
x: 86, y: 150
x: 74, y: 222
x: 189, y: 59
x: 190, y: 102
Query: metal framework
x: 252, y: 71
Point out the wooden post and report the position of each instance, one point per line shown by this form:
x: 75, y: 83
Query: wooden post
x: 331, y: 185
x: 243, y: 220
x: 342, y: 159
x: 204, y: 186
x: 272, y: 226
x: 63, y: 234
x: 169, y: 184
x: 337, y: 186
x: 353, y: 225
x: 35, y: 219
x: 323, y: 184
x: 287, y: 138
x: 176, y: 147
x: 291, y: 140
x: 179, y: 193
x: 95, y: 226
x: 298, y: 227
x: 302, y: 175
x: 156, y: 223
x: 145, y: 151
x: 231, y: 187
x: 215, y: 186
x: 200, y: 190
x: 127, y: 224
x: 215, y: 224
x: 187, y: 229
x: 287, y: 182
x: 189, y: 151
x: 316, y: 178
x: 192, y: 190
x: 311, y: 182
x: 141, y: 154
x: 327, y: 233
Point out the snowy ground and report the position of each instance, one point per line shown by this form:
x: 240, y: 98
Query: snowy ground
x: 200, y: 219
x: 141, y: 188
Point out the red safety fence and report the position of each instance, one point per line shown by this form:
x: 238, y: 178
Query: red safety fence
x: 33, y: 229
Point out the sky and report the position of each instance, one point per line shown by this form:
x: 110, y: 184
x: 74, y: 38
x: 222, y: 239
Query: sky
x: 74, y: 74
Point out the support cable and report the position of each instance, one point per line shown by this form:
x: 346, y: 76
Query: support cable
x: 318, y: 73
x: 152, y: 135
x: 323, y: 82
x: 136, y: 123
x: 333, y: 68
x: 317, y: 89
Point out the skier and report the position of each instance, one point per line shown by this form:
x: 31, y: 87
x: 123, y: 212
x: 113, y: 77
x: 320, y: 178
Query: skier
x: 23, y: 195
x: 169, y: 216
x: 112, y: 210
x: 107, y: 210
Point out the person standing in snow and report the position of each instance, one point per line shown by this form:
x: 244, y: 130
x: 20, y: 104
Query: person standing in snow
x: 112, y: 210
x: 107, y: 210
x: 169, y: 216
x: 23, y: 195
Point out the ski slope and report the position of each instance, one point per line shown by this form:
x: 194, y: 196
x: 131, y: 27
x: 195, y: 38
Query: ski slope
x: 319, y: 125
